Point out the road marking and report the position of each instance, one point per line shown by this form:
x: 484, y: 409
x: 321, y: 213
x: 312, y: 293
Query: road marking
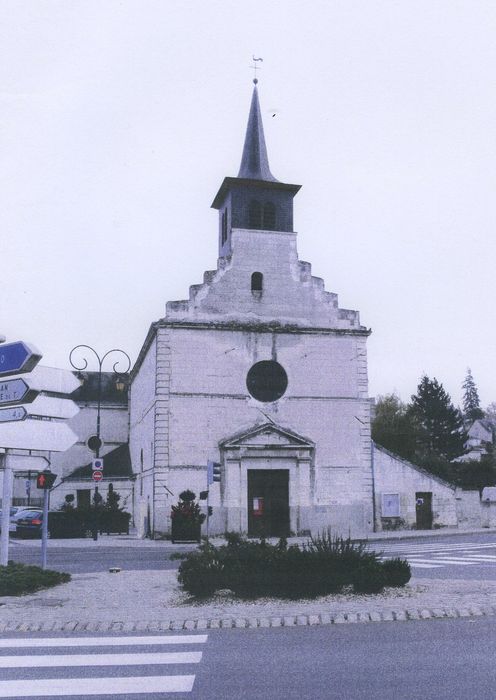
x: 55, y: 687
x: 442, y: 560
x: 480, y: 557
x: 103, y: 641
x: 188, y: 657
x: 426, y: 566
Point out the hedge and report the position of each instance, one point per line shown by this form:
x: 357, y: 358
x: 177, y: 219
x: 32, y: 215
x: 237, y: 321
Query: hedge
x: 324, y: 565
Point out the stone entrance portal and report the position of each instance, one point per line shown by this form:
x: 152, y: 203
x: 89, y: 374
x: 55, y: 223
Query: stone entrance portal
x: 269, y: 481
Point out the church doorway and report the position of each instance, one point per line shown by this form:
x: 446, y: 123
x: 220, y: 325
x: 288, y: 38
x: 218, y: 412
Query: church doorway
x: 268, y: 502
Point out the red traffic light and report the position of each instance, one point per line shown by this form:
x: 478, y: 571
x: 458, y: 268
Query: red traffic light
x: 45, y: 480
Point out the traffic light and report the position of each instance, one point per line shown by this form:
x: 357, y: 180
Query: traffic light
x: 210, y: 510
x: 216, y: 471
x: 45, y: 479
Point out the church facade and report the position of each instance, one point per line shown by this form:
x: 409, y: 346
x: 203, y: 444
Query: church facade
x: 260, y: 371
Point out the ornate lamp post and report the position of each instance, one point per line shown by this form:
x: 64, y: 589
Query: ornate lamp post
x: 96, y: 441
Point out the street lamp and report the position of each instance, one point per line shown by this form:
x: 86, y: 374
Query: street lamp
x: 95, y: 441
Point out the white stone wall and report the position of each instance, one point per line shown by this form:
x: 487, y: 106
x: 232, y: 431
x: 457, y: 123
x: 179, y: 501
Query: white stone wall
x: 394, y: 475
x: 142, y: 410
x: 203, y: 400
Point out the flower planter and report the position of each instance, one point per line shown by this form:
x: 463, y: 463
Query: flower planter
x: 184, y: 531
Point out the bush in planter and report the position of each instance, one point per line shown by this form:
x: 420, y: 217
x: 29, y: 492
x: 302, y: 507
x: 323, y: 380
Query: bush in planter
x: 111, y: 517
x: 186, y: 518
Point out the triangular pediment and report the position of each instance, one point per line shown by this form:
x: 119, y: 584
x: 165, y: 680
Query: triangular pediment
x: 268, y: 434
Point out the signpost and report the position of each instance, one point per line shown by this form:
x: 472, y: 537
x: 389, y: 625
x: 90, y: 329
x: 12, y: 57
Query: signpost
x: 31, y: 420
x: 15, y: 391
x: 18, y: 357
x: 13, y: 414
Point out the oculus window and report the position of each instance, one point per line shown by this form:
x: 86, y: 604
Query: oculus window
x: 267, y: 381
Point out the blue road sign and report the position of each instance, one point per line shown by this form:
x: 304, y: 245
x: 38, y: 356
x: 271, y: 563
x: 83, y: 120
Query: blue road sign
x: 18, y: 357
x: 15, y: 391
x: 15, y: 413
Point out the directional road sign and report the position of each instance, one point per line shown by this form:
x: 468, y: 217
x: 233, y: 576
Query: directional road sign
x: 15, y: 391
x: 52, y: 407
x: 18, y: 357
x: 44, y: 435
x: 97, y: 476
x: 28, y: 463
x: 50, y: 379
x: 15, y: 413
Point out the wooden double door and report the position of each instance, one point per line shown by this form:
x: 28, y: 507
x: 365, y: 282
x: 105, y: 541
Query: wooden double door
x: 268, y: 502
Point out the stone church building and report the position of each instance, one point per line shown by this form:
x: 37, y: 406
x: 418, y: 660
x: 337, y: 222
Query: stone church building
x: 259, y: 370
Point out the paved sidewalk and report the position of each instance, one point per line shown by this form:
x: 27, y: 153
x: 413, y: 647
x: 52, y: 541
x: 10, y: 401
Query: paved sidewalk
x: 153, y: 600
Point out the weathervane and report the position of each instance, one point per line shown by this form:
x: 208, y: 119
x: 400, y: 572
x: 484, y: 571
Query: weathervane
x: 255, y: 68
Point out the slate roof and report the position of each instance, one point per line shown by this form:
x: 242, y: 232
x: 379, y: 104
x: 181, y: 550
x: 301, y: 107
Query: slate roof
x: 116, y: 463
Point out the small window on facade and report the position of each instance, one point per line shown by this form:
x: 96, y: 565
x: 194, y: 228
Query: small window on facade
x: 224, y: 227
x: 390, y: 505
x: 255, y: 214
x: 257, y: 282
x: 269, y: 216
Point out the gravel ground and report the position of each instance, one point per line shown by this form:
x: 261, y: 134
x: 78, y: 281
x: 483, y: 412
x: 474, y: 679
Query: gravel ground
x: 153, y: 600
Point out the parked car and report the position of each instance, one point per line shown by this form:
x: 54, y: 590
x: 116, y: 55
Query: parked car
x: 13, y: 511
x: 28, y: 523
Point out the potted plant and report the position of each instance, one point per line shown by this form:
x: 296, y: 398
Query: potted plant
x: 186, y: 518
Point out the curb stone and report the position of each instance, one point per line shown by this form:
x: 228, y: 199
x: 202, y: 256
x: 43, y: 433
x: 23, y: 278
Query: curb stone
x: 300, y: 620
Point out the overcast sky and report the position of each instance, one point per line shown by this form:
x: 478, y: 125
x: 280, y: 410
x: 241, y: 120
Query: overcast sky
x: 119, y: 120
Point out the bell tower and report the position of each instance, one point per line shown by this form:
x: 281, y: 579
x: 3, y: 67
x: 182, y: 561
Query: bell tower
x: 254, y: 199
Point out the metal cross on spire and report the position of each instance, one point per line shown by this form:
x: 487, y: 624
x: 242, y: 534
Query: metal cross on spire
x: 255, y: 68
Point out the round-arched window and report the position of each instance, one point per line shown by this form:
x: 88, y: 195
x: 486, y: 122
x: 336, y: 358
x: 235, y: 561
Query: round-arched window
x: 267, y: 381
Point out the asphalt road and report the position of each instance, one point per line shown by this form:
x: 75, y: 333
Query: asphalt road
x: 459, y: 556
x: 432, y: 660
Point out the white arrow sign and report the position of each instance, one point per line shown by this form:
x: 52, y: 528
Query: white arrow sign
x: 44, y: 435
x: 51, y: 379
x: 27, y: 463
x: 52, y: 407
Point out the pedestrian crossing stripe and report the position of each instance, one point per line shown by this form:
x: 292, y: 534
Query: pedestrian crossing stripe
x: 192, y: 657
x: 104, y: 685
x: 105, y: 641
x: 56, y: 687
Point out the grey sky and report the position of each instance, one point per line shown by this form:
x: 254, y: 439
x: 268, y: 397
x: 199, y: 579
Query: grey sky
x: 118, y: 121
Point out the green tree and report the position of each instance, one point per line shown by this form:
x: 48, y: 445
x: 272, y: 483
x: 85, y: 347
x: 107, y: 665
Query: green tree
x: 394, y: 427
x: 441, y: 424
x: 471, y: 401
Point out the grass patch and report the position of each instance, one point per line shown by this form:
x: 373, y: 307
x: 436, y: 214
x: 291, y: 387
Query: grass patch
x: 17, y: 579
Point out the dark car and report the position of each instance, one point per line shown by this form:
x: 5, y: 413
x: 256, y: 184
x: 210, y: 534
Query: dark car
x: 28, y: 523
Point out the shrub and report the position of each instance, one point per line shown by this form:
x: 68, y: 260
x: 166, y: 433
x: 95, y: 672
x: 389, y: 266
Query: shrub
x: 254, y: 569
x: 397, y: 572
x: 369, y: 577
x: 16, y: 579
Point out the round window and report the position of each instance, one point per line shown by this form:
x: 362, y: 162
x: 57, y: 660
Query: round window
x: 267, y: 381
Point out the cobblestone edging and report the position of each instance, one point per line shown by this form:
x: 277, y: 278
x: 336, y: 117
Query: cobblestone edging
x: 296, y: 620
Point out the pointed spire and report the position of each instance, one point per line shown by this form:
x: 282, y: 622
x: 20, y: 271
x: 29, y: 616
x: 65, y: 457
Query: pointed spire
x: 255, y: 162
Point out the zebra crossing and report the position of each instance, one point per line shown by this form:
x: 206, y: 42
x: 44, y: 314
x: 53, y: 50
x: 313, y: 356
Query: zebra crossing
x: 34, y: 657
x: 438, y: 555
